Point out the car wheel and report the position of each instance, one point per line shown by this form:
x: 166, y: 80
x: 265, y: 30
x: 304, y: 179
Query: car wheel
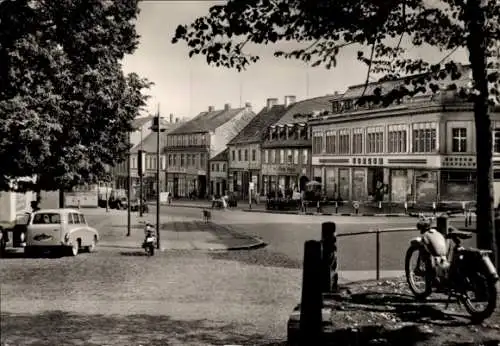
x: 75, y: 248
x: 91, y: 247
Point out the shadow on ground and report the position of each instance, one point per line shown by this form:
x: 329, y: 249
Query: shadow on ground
x: 61, y: 328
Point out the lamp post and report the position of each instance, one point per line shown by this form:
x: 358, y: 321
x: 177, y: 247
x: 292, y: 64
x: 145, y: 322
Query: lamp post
x: 129, y: 187
x: 158, y: 129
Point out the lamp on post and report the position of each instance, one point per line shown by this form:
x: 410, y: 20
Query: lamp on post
x: 157, y: 128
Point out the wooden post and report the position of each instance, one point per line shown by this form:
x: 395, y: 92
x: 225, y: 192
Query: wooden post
x: 312, y: 298
x: 442, y: 224
x: 327, y: 242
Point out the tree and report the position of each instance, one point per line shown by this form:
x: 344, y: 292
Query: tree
x: 327, y: 26
x: 66, y: 106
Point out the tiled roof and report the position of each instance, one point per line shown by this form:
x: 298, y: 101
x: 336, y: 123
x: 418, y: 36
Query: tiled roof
x: 148, y: 143
x: 208, y: 121
x: 137, y: 123
x: 222, y: 156
x: 255, y: 129
x: 317, y: 104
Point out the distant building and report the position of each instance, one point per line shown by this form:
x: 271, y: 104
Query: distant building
x: 286, y: 148
x: 218, y: 173
x: 421, y: 150
x: 192, y: 145
x: 142, y: 129
x: 245, y: 151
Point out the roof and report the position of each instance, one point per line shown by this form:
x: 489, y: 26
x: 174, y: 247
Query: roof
x: 222, y: 156
x: 137, y: 123
x: 317, y: 104
x: 59, y: 210
x: 148, y: 143
x: 207, y: 121
x: 253, y: 132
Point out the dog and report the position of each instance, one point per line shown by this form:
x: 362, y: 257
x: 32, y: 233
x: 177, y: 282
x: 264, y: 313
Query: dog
x: 207, y: 216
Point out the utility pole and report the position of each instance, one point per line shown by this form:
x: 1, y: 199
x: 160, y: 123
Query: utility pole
x: 129, y: 187
x: 158, y: 129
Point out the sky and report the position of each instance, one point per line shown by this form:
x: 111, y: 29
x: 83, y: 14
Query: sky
x: 187, y: 86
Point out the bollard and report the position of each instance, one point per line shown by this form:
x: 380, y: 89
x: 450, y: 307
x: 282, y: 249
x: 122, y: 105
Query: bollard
x: 443, y: 224
x: 78, y: 204
x: 377, y: 253
x: 311, y: 321
x: 327, y: 243
x: 356, y: 211
x: 380, y: 205
x: 434, y: 207
x: 406, y: 207
x: 336, y: 207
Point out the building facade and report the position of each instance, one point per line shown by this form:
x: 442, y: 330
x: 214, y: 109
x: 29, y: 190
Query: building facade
x: 286, y: 149
x: 422, y: 150
x: 219, y: 174
x: 191, y: 146
x: 142, y: 129
x: 245, y: 151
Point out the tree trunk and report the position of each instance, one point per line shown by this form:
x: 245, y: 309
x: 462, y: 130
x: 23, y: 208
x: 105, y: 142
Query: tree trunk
x: 477, y: 46
x: 61, y: 198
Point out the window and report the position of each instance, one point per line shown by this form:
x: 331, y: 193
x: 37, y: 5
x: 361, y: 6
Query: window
x: 175, y: 160
x: 331, y: 142
x: 266, y: 156
x: 246, y: 154
x: 170, y: 160
x: 272, y: 156
x: 296, y: 156
x: 424, y: 137
x: 182, y: 160
x: 213, y: 167
x: 344, y: 139
x: 217, y: 166
x: 317, y: 142
x: 203, y: 163
x: 396, y: 142
x: 239, y: 155
x: 233, y: 154
x: 289, y: 156
x: 133, y: 164
x: 47, y: 218
x: 375, y: 140
x: 459, y: 137
x: 282, y: 156
x: 82, y: 219
x: 71, y: 219
x: 223, y: 167
x: 496, y: 139
x: 304, y: 157
x: 254, y: 155
x: 357, y: 141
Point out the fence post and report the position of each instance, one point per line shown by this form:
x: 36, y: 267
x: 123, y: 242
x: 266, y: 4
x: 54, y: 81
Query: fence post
x: 377, y: 253
x: 312, y: 298
x: 327, y: 242
x: 442, y: 224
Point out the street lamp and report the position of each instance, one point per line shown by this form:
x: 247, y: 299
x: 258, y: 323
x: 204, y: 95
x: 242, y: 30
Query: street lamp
x: 129, y: 186
x: 158, y: 129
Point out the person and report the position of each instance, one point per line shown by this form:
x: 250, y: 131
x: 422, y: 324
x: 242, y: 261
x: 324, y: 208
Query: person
x: 35, y: 206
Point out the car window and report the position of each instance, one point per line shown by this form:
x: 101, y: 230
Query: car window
x: 47, y: 218
x: 76, y: 218
x: 70, y: 218
x: 22, y: 219
x: 82, y: 219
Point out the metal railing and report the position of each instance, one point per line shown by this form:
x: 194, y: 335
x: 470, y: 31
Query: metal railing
x: 377, y: 232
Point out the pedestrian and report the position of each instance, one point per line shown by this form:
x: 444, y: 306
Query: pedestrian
x: 303, y: 201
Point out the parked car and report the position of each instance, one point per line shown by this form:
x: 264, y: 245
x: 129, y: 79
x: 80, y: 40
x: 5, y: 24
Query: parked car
x: 63, y: 230
x: 134, y: 206
x: 118, y: 203
x: 14, y: 232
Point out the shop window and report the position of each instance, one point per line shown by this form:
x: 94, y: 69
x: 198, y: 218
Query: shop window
x: 424, y: 137
x: 317, y: 142
x: 459, y: 140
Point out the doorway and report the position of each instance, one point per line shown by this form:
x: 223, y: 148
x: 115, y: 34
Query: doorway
x: 302, y: 182
x: 202, y: 186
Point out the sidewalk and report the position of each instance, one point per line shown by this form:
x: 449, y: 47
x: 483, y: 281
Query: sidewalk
x: 176, y: 233
x: 344, y: 210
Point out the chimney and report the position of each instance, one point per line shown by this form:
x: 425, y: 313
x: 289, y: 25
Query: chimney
x: 211, y: 108
x: 271, y: 103
x: 335, y: 93
x: 289, y: 100
x: 227, y: 106
x: 248, y: 106
x: 176, y: 120
x: 171, y: 118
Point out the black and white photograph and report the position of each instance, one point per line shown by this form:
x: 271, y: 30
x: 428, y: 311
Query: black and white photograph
x: 249, y: 172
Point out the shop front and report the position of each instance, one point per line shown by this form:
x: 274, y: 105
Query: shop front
x: 282, y: 178
x: 458, y: 185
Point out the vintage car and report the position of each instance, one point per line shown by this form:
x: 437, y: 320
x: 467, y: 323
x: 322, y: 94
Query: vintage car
x: 60, y: 229
x: 14, y: 232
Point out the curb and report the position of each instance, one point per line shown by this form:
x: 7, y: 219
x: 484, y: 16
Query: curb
x: 287, y: 212
x: 256, y: 244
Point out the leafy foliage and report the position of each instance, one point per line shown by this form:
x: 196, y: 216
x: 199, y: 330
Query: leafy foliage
x: 65, y: 104
x: 327, y: 26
